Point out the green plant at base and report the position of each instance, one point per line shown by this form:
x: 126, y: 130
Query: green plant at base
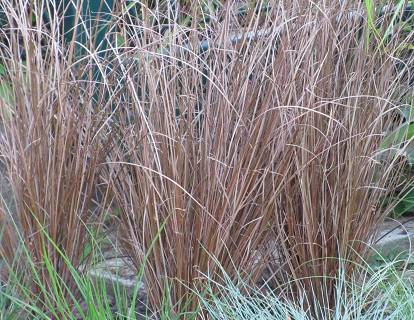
x: 367, y: 294
x: 400, y: 142
x: 382, y: 21
x: 88, y: 300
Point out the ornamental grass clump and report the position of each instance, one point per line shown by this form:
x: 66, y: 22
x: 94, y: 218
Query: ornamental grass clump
x: 246, y: 142
x: 241, y: 140
x: 52, y: 141
x: 201, y: 153
x: 347, y: 90
x: 385, y: 292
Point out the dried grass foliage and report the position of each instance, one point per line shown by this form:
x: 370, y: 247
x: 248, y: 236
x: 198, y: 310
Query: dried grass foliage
x: 270, y: 134
x: 277, y: 133
x: 52, y: 142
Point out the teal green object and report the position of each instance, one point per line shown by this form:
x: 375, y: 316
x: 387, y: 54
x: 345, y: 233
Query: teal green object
x: 94, y: 21
x: 95, y: 18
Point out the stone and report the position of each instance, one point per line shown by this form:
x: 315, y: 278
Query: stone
x: 395, y: 238
x: 118, y: 272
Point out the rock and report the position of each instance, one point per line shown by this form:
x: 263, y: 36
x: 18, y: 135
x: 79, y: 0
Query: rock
x: 396, y: 237
x: 118, y: 273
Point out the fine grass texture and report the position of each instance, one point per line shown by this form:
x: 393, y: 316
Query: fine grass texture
x: 201, y: 148
x: 332, y: 198
x: 365, y: 294
x: 88, y: 297
x: 263, y: 143
x: 52, y: 141
x: 254, y: 140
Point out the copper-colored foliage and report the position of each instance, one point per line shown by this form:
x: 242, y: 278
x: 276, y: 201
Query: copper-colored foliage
x: 278, y: 131
x: 238, y: 140
x: 51, y: 146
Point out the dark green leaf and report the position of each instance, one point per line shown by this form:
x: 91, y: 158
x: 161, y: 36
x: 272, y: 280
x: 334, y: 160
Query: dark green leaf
x: 2, y: 70
x: 6, y: 93
x: 405, y: 204
x: 399, y: 136
x: 407, y: 111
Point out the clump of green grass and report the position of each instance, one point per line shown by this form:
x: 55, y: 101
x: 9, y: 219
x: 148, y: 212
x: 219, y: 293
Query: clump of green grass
x: 366, y: 294
x: 87, y: 296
